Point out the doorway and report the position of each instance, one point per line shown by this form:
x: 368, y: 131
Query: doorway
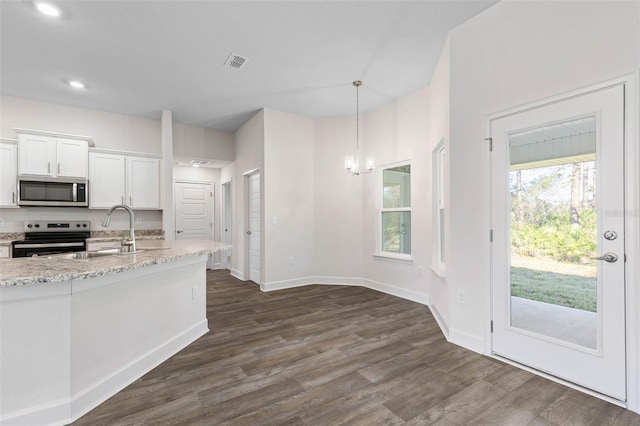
x: 557, y: 257
x: 227, y: 215
x: 253, y: 231
x: 194, y: 212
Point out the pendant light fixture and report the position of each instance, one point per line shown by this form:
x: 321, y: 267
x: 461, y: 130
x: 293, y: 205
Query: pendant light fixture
x: 351, y: 163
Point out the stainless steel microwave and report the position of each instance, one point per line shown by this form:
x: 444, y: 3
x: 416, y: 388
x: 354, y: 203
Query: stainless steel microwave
x: 50, y: 191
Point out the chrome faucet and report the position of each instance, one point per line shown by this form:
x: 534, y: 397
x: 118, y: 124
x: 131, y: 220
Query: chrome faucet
x: 132, y: 238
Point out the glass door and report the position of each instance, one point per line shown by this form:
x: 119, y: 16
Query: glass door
x: 558, y: 253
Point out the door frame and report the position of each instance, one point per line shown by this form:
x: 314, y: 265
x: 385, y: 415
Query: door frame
x: 246, y: 269
x: 632, y: 231
x: 226, y: 203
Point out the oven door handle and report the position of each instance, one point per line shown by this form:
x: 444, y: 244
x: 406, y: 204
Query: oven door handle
x: 47, y: 245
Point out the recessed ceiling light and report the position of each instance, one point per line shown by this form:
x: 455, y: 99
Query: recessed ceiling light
x: 76, y: 84
x: 48, y: 9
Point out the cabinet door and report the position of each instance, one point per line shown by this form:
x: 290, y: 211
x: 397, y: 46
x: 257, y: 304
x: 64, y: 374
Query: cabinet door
x: 8, y: 175
x: 36, y: 155
x: 143, y: 182
x: 106, y: 180
x: 71, y: 158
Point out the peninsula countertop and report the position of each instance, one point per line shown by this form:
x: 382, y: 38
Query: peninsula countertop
x: 25, y: 271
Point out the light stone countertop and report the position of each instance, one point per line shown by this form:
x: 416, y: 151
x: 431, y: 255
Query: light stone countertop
x: 27, y: 270
x: 138, y: 238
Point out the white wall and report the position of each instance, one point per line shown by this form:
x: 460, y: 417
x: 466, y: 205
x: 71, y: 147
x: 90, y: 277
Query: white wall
x: 14, y: 218
x: 511, y: 54
x: 289, y: 199
x: 338, y: 196
x: 109, y: 131
x: 200, y: 143
x: 393, y: 133
x: 249, y: 155
x: 439, y: 88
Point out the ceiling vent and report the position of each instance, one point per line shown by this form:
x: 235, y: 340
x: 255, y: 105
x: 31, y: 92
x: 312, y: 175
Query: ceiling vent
x: 235, y: 61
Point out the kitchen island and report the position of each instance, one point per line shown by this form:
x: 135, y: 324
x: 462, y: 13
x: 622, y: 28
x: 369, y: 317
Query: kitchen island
x: 76, y: 331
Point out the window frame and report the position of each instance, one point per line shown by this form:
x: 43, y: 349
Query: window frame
x: 379, y: 253
x: 439, y: 209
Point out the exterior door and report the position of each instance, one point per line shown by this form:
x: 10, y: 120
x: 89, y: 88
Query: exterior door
x: 194, y: 212
x: 253, y: 229
x: 558, y: 288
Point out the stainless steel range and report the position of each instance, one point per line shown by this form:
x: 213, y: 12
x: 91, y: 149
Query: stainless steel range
x: 46, y: 238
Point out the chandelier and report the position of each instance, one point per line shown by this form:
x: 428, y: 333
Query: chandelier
x: 352, y: 163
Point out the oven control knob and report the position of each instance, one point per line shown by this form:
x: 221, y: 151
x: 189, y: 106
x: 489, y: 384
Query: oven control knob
x: 84, y: 225
x: 77, y: 225
x: 29, y: 226
x: 37, y: 225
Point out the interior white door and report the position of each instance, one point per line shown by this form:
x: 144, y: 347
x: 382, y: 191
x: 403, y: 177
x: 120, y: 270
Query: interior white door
x: 557, y: 204
x: 194, y: 212
x: 253, y: 231
x: 227, y: 221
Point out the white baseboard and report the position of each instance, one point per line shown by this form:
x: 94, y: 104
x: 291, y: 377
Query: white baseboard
x: 237, y: 274
x: 54, y: 413
x: 353, y: 281
x: 414, y: 296
x: 90, y: 397
x: 468, y: 341
x: 444, y: 327
x: 69, y: 410
x: 300, y: 282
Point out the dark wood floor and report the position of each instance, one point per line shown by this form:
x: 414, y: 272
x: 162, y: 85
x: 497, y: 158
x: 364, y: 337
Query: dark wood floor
x: 332, y: 355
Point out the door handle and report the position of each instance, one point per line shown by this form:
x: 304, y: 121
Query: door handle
x: 49, y: 167
x: 179, y: 232
x: 607, y: 257
x: 248, y: 232
x: 58, y: 168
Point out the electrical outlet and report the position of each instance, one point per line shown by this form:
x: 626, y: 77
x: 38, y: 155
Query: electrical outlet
x: 420, y: 271
x: 138, y: 221
x: 194, y: 293
x: 290, y: 260
x: 1, y: 222
x: 461, y: 296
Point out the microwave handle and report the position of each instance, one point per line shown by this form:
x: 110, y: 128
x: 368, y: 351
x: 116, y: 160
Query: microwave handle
x: 75, y: 192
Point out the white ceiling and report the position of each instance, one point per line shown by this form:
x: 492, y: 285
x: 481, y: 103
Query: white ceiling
x: 139, y: 57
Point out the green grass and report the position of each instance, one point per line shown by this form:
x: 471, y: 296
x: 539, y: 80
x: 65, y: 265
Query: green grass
x: 570, y: 290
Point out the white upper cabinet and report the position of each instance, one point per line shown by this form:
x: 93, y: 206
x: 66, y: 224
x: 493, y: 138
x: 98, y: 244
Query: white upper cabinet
x: 106, y: 180
x: 50, y: 156
x: 143, y: 182
x: 8, y: 175
x: 72, y: 158
x: 123, y: 179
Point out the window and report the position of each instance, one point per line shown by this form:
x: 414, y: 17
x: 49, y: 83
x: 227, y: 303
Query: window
x: 438, y: 202
x: 395, y: 212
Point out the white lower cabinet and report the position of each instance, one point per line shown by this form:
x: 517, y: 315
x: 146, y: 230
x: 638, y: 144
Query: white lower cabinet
x: 123, y: 179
